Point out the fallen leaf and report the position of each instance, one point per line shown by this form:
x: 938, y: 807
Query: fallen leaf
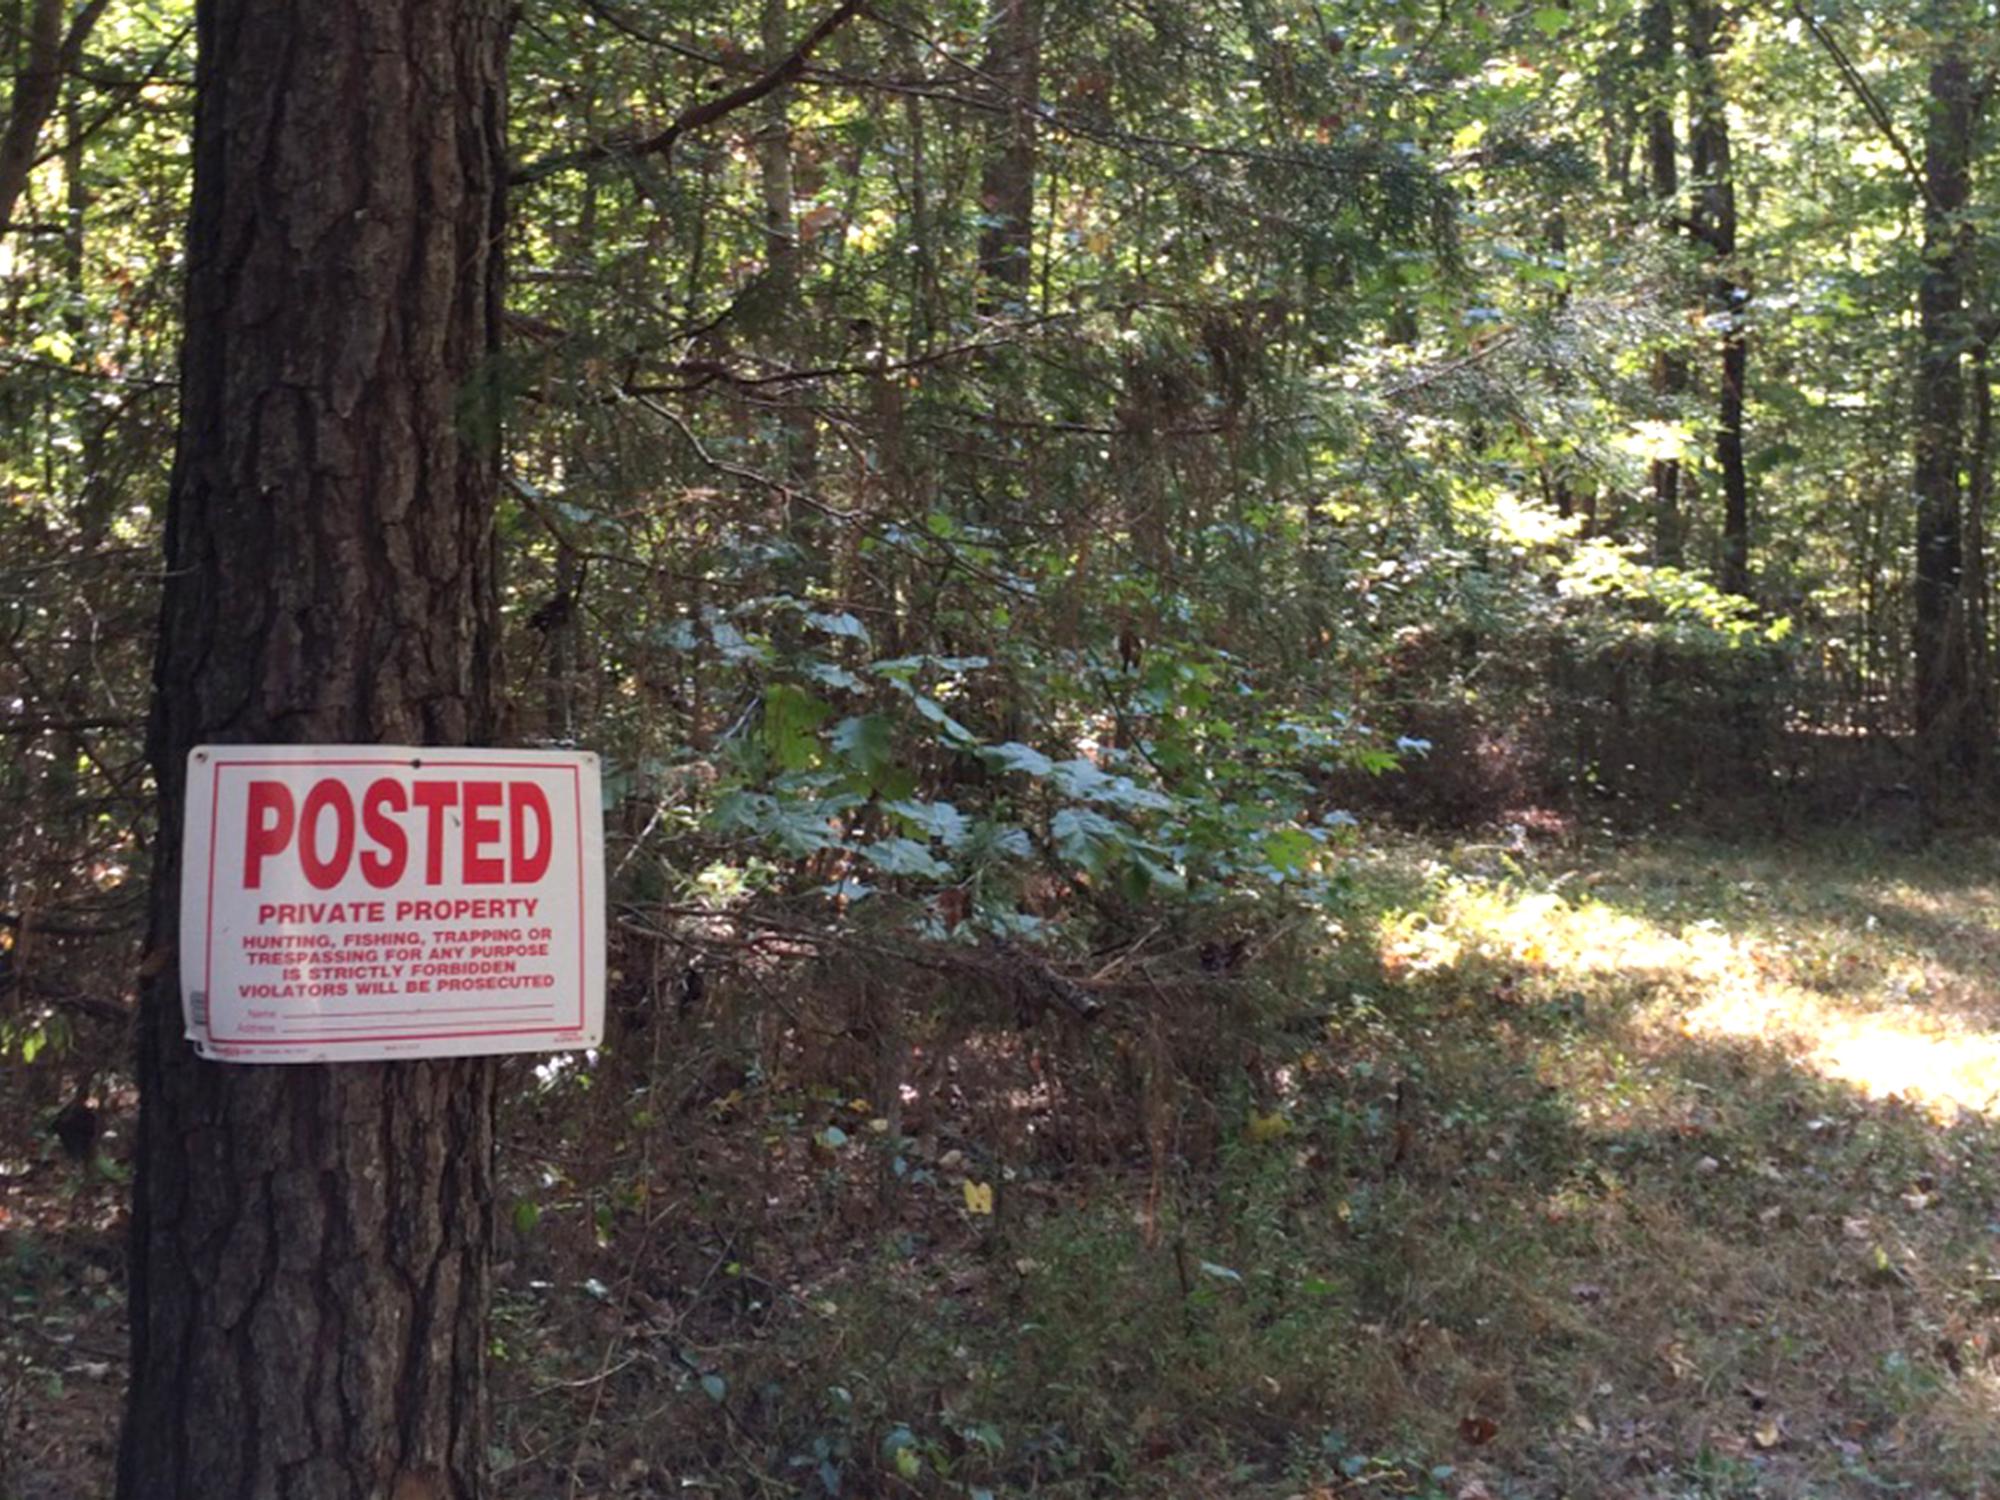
x: 1477, y: 1430
x: 1679, y: 1365
x: 954, y: 906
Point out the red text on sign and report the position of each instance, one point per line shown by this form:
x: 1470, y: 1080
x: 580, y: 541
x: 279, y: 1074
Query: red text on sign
x: 504, y: 831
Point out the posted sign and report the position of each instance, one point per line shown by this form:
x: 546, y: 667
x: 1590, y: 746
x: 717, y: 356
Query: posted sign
x: 346, y: 902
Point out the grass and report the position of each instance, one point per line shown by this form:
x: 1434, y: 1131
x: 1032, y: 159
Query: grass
x: 1599, y: 1171
x: 1736, y: 1206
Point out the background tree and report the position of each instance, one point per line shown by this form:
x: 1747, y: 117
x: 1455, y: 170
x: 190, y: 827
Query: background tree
x: 1950, y: 736
x: 1713, y: 225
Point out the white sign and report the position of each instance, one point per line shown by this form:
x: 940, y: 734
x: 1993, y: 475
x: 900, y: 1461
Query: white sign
x: 346, y: 902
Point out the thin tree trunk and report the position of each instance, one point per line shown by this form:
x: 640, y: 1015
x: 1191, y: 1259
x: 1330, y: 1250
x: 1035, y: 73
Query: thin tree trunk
x: 1013, y: 64
x: 1714, y: 226
x: 311, y: 1244
x: 1945, y: 738
x: 1555, y: 477
x: 1670, y: 369
x: 782, y: 257
x: 1978, y: 589
x: 53, y: 50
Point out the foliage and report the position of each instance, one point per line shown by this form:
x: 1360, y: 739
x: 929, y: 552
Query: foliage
x: 1062, y: 627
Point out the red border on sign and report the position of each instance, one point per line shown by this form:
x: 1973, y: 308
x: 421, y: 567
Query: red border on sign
x: 208, y: 912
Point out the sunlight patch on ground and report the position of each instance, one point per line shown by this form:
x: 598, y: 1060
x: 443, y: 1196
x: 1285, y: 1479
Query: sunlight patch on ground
x: 1793, y: 983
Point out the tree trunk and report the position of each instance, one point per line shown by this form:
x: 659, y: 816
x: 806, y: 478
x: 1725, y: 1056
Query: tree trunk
x: 1978, y: 573
x: 1670, y: 369
x: 309, y: 1276
x: 1556, y: 475
x: 53, y: 50
x: 1007, y: 181
x: 1728, y: 299
x: 783, y: 257
x: 1945, y: 724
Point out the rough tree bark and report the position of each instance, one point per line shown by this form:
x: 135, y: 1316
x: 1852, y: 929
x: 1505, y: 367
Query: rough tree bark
x: 1947, y: 729
x: 311, y: 1244
x: 1714, y: 225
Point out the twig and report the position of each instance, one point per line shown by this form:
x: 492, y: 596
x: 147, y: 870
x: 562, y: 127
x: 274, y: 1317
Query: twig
x: 697, y: 115
x: 1876, y: 111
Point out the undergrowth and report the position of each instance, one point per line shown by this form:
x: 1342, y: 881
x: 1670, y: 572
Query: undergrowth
x: 1532, y: 1171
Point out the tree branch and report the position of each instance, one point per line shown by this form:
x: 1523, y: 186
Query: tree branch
x: 52, y: 52
x: 1874, y: 107
x: 694, y: 116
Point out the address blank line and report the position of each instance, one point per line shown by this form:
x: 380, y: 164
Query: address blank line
x: 446, y: 1010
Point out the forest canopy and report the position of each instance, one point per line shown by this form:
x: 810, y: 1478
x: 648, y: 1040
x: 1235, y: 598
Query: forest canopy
x: 949, y: 443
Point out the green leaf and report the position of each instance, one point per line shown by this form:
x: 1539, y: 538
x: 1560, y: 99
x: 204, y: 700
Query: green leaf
x: 1088, y: 838
x: 1015, y: 756
x: 997, y: 841
x: 716, y: 1387
x: 826, y: 674
x: 1286, y: 850
x: 1157, y: 873
x: 940, y: 820
x: 933, y: 710
x: 1080, y: 778
x: 904, y: 857
x: 843, y: 625
x: 733, y: 645
x: 791, y: 715
x: 798, y: 827
x: 865, y: 743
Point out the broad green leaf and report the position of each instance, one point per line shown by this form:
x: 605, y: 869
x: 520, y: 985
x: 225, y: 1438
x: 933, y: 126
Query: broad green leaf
x: 791, y: 714
x: 940, y: 820
x: 1088, y: 838
x: 896, y: 856
x: 865, y: 742
x: 931, y: 709
x: 843, y: 625
x: 829, y: 675
x: 1015, y: 756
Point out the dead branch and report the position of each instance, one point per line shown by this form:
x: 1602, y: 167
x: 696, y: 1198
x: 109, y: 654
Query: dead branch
x: 694, y: 116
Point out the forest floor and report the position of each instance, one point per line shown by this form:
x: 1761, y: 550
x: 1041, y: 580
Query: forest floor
x: 1587, y: 1170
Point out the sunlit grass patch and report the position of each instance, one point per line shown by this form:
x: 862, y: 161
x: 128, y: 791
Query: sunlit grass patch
x: 1882, y: 983
x: 1770, y: 1200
